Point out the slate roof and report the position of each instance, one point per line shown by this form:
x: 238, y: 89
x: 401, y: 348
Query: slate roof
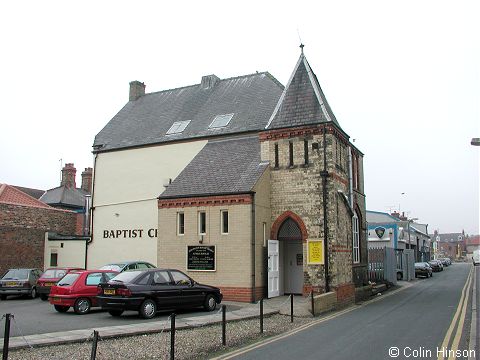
x: 12, y: 195
x: 449, y: 237
x: 221, y: 167
x: 420, y: 228
x: 302, y: 102
x: 36, y: 193
x: 251, y: 98
x: 380, y: 217
x: 64, y: 196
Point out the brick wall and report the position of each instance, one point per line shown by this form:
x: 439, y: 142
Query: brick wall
x: 22, y: 233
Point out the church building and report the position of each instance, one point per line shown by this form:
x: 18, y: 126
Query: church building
x: 241, y: 183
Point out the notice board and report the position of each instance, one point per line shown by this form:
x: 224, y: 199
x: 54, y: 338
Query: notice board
x: 201, y: 258
x: 315, y: 251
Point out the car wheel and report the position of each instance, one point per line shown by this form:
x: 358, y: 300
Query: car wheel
x: 82, y: 306
x: 210, y: 303
x: 33, y: 293
x: 148, y: 309
x: 44, y: 297
x: 61, y: 308
x: 431, y: 274
x: 115, y: 313
x: 3, y: 297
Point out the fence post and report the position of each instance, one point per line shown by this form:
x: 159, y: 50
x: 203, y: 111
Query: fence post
x: 224, y: 325
x: 313, y: 303
x: 261, y: 316
x: 93, y: 355
x: 172, y: 336
x: 291, y: 308
x: 6, y: 337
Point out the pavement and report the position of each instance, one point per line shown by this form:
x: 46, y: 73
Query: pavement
x: 272, y: 306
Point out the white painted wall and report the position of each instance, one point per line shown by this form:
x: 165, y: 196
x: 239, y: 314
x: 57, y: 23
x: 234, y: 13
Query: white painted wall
x: 126, y: 186
x: 71, y: 253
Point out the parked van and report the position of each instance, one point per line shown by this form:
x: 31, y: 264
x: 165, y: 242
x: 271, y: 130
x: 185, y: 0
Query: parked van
x: 476, y: 257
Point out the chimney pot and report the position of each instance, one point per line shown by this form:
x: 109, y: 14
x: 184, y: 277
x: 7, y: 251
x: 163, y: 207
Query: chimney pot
x: 137, y: 90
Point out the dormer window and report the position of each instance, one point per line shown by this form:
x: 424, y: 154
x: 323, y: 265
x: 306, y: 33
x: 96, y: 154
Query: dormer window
x: 178, y: 127
x: 220, y: 121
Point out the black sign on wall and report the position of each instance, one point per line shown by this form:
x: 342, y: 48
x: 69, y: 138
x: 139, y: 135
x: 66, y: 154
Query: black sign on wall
x: 201, y: 258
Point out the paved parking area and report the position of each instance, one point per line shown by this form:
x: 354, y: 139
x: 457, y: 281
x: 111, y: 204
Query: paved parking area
x: 34, y: 316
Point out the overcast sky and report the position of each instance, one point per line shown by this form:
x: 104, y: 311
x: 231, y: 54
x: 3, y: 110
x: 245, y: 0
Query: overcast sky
x: 402, y: 78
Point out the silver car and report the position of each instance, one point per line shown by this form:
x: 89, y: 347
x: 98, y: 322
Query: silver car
x: 19, y: 282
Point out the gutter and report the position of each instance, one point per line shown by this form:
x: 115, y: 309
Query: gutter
x: 173, y: 197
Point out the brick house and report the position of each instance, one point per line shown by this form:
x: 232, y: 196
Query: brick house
x: 452, y: 245
x: 24, y: 220
x: 256, y: 188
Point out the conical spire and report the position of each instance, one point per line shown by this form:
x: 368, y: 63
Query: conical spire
x: 302, y: 101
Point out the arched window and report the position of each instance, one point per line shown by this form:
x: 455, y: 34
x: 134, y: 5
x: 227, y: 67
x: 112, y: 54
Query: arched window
x: 356, y: 239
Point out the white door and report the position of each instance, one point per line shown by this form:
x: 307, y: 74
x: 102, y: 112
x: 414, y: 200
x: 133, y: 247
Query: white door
x: 273, y: 268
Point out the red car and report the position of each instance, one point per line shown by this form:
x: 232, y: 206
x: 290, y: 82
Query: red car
x: 50, y: 278
x: 78, y: 289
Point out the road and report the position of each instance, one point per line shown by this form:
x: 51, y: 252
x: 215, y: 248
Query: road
x: 34, y: 316
x: 415, y: 323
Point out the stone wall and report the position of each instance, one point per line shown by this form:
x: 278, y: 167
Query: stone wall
x: 22, y: 233
x: 298, y: 188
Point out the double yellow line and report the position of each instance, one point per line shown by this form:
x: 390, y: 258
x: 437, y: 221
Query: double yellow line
x: 461, y: 312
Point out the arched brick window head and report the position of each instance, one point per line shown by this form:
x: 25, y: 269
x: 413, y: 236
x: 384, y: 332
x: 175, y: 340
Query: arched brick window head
x: 281, y: 219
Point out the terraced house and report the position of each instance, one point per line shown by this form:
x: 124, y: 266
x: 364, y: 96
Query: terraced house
x: 242, y: 183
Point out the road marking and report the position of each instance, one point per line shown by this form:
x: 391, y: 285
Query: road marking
x: 448, y: 335
x: 461, y: 323
x: 261, y: 343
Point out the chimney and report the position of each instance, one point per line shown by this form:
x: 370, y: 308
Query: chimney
x: 68, y: 176
x: 137, y: 89
x: 395, y: 214
x: 87, y: 180
x: 209, y: 81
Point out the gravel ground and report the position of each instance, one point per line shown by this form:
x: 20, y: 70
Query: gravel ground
x: 198, y: 343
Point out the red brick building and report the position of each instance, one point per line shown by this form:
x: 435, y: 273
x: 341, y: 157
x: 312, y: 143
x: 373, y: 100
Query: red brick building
x: 23, y: 223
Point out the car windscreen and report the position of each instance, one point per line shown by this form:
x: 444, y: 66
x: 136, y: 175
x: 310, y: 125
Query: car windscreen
x: 16, y: 274
x: 68, y: 279
x: 53, y: 273
x: 126, y: 276
x: 114, y: 267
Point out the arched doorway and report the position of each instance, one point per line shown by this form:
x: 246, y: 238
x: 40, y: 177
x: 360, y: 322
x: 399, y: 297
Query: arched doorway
x: 291, y: 256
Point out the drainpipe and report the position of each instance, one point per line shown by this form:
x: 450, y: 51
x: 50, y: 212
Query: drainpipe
x: 92, y: 209
x: 253, y: 247
x: 350, y: 176
x: 324, y: 174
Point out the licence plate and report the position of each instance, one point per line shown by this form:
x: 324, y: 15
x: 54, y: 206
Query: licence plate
x: 109, y: 291
x: 49, y: 284
x: 13, y: 283
x: 57, y: 299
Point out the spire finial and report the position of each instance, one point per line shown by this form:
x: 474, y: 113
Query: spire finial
x: 301, y: 47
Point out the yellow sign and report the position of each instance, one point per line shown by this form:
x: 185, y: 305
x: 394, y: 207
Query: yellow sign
x: 315, y: 252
